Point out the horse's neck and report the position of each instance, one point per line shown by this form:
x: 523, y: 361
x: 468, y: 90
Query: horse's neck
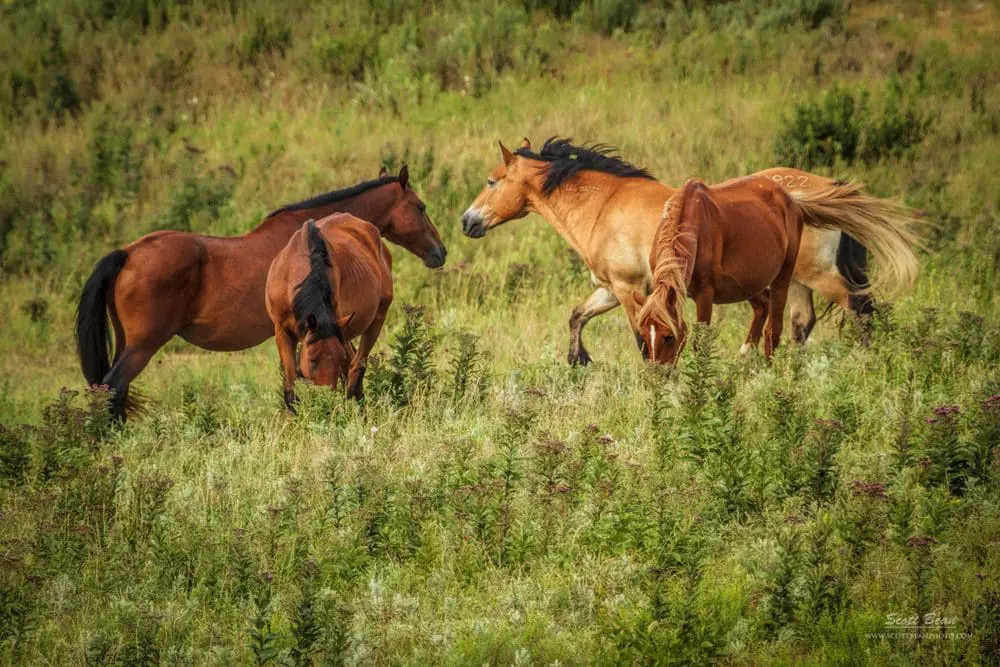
x: 685, y: 248
x: 368, y: 206
x: 572, y: 212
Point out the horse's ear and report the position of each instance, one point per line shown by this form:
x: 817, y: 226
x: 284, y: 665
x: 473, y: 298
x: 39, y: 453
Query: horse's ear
x: 508, y: 157
x: 525, y: 144
x: 640, y: 299
x: 345, y: 320
x: 311, y: 323
x: 404, y: 176
x: 383, y: 172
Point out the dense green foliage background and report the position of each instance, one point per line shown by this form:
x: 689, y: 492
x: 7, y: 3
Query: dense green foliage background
x: 490, y: 503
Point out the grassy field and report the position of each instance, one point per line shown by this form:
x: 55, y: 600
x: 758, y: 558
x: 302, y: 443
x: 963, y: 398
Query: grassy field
x: 489, y: 503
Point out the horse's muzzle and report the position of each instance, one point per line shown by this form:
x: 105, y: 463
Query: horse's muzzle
x: 472, y: 225
x: 435, y: 258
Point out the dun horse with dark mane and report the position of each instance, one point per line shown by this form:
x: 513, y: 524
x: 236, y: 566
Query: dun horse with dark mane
x: 329, y: 285
x: 210, y: 290
x: 608, y: 210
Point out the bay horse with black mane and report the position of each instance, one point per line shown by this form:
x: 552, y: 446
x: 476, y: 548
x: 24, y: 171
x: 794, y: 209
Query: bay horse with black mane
x: 608, y: 210
x: 732, y: 242
x: 210, y: 290
x: 329, y: 285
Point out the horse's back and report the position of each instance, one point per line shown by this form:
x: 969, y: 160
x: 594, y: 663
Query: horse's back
x: 754, y: 221
x: 362, y: 265
x: 354, y: 239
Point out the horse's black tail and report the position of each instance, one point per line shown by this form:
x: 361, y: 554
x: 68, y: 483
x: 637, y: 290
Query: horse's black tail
x: 93, y: 339
x: 852, y: 263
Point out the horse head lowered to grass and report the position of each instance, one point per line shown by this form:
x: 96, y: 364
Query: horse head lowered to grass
x: 329, y: 285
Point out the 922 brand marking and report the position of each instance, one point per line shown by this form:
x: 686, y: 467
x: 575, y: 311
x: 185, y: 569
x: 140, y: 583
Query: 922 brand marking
x: 790, y: 181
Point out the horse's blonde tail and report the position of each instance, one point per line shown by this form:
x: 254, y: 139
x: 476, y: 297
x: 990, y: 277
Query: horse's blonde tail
x: 885, y: 227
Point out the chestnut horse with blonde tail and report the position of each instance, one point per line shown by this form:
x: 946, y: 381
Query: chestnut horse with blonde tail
x: 329, y: 285
x: 210, y: 290
x: 733, y: 242
x: 609, y: 210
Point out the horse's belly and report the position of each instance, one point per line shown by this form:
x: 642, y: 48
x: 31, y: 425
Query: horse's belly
x: 219, y: 337
x: 729, y: 291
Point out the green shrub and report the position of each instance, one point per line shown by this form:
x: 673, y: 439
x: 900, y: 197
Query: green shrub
x: 842, y: 126
x: 821, y: 132
x: 811, y: 14
x: 196, y: 203
x: 607, y: 16
x: 347, y: 53
x: 560, y: 9
x: 270, y: 34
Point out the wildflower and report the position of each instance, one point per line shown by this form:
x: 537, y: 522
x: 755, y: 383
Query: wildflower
x: 946, y: 410
x: 860, y: 487
x: 921, y: 541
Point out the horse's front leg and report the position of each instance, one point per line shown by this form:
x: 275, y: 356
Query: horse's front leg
x: 356, y: 374
x: 703, y: 301
x: 601, y: 301
x: 286, y: 351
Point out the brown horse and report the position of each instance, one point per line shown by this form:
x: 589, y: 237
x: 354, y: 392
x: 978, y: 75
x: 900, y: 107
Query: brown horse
x: 210, y: 290
x: 329, y: 285
x: 608, y: 210
x: 732, y: 242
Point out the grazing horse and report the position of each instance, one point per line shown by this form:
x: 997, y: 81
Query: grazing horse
x: 210, y: 290
x: 733, y: 242
x: 608, y: 210
x: 329, y: 285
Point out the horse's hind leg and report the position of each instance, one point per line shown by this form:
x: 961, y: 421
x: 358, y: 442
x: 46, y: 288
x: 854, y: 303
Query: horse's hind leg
x: 760, y: 305
x: 130, y: 362
x: 600, y: 301
x: 802, y: 315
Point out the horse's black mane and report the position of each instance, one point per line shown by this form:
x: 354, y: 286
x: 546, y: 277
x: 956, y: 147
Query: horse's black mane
x: 314, y: 295
x: 565, y: 160
x: 335, y: 196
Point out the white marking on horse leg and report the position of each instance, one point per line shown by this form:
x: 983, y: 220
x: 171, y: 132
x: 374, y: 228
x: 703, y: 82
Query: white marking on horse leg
x: 744, y: 349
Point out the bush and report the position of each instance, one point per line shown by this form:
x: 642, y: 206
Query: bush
x: 560, y: 9
x: 820, y: 132
x: 841, y: 126
x: 810, y: 14
x: 607, y: 16
x: 269, y: 35
x: 197, y: 199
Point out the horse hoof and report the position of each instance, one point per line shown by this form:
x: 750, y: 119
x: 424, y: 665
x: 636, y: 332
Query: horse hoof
x: 580, y: 359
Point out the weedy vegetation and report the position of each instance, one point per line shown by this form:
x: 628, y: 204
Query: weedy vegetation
x: 488, y: 503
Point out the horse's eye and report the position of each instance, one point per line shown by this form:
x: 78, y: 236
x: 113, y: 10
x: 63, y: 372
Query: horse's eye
x: 492, y: 182
x: 421, y: 207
